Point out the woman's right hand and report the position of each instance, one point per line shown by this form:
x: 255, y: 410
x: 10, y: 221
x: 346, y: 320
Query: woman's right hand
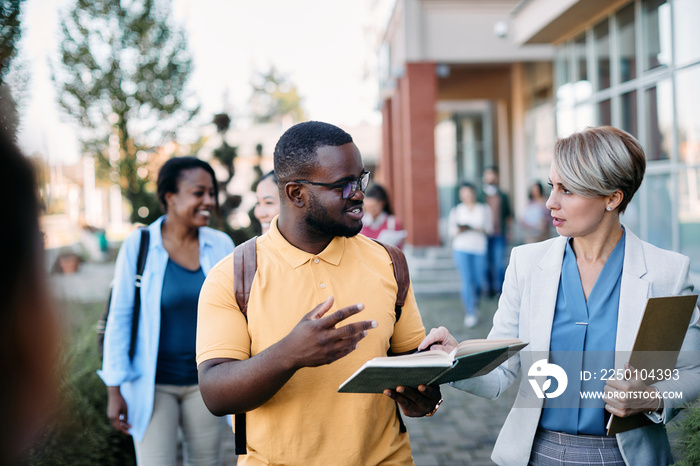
x: 438, y: 339
x: 117, y: 410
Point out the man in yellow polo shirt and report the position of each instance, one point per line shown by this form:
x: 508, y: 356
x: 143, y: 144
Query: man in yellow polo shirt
x: 321, y: 305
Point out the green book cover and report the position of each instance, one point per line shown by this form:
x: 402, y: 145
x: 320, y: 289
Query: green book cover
x: 469, y: 359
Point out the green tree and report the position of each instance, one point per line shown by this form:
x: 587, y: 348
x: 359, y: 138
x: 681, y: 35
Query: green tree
x: 274, y: 98
x: 10, y: 34
x: 124, y: 75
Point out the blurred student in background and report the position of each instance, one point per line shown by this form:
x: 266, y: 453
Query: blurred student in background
x: 492, y: 195
x: 157, y: 392
x: 29, y: 336
x: 268, y: 200
x: 379, y: 221
x: 534, y: 225
x: 470, y: 223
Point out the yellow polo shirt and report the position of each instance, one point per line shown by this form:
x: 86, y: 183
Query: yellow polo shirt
x: 307, y: 421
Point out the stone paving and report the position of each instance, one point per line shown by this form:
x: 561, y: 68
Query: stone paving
x: 464, y: 429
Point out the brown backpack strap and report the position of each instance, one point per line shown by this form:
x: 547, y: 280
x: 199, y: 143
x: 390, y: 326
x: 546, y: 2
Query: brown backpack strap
x: 403, y: 280
x: 245, y: 264
x: 398, y: 261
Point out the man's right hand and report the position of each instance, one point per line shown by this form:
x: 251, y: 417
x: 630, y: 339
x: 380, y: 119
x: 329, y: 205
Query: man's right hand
x: 316, y: 340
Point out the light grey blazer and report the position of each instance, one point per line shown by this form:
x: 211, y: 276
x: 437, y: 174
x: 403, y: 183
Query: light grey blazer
x: 526, y: 311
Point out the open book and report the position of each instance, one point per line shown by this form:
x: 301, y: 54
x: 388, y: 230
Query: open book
x: 659, y: 340
x: 470, y: 358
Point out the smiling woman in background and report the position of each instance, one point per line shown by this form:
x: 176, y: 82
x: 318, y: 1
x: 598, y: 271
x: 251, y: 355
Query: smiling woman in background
x: 584, y: 293
x: 268, y: 200
x: 157, y: 391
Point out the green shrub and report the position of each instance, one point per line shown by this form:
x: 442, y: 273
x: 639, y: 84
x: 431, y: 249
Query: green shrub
x: 687, y: 431
x: 82, y: 435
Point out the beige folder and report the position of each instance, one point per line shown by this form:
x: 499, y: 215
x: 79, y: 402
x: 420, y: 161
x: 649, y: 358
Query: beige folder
x: 659, y: 339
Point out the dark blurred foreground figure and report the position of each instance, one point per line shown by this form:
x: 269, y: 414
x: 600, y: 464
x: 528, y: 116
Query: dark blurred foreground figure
x: 157, y: 392
x: 322, y: 303
x: 29, y: 334
x: 578, y: 300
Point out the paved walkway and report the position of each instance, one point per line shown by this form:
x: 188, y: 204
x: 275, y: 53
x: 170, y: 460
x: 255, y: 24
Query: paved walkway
x: 462, y: 432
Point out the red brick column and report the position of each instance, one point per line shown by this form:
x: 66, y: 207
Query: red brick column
x: 413, y: 167
x: 386, y: 163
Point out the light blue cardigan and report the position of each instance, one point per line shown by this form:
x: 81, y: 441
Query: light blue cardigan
x: 137, y: 378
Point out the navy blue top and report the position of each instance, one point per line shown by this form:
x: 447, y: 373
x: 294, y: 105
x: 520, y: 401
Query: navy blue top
x: 583, y: 340
x: 178, y: 325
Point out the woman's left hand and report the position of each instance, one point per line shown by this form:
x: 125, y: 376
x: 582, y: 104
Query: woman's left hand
x: 627, y: 397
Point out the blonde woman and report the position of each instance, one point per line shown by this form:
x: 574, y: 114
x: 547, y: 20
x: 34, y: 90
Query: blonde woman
x: 583, y: 294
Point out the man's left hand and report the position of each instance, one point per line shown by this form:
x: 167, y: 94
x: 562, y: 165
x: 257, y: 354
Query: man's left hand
x: 416, y: 402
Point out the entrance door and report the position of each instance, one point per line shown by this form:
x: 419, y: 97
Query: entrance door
x: 464, y: 147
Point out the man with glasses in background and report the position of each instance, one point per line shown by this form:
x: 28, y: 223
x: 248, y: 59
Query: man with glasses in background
x: 321, y: 305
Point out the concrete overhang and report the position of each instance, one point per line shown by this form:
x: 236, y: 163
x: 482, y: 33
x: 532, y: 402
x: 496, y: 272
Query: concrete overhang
x: 551, y: 21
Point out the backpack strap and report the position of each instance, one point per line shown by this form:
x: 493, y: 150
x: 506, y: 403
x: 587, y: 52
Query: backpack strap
x: 403, y: 280
x: 140, y: 266
x: 245, y: 264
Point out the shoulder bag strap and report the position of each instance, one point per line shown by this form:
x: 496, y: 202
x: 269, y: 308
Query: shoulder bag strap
x: 140, y: 265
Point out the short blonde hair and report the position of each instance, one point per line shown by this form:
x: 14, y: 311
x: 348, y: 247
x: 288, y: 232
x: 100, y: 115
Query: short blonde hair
x: 600, y: 160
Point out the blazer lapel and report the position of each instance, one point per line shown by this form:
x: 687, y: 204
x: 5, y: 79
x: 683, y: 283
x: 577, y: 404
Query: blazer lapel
x: 543, y: 295
x: 634, y: 291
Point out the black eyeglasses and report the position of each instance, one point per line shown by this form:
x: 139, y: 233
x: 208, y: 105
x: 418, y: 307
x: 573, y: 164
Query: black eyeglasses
x: 349, y: 188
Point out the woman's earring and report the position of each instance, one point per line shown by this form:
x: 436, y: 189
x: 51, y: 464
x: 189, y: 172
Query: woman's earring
x: 608, y: 208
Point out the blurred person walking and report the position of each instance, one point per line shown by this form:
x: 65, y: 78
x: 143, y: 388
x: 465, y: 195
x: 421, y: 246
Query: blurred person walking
x: 30, y: 336
x: 535, y: 223
x: 379, y: 221
x: 157, y: 392
x: 470, y: 223
x: 497, y: 200
x: 267, y: 205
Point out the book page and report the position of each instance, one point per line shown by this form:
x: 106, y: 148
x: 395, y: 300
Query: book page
x: 424, y: 359
x: 480, y: 345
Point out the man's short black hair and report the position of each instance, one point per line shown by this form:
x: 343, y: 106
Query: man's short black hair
x: 295, y: 152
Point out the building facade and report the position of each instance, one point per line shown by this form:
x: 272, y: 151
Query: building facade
x: 466, y: 84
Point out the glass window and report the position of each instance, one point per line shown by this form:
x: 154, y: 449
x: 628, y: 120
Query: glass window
x: 688, y: 88
x: 689, y: 214
x: 604, y: 113
x: 659, y: 210
x: 580, y: 58
x: 628, y: 107
x: 658, y: 101
x: 630, y: 217
x: 601, y: 35
x: 657, y: 33
x: 626, y: 43
x: 562, y: 66
x: 686, y: 33
x: 585, y: 115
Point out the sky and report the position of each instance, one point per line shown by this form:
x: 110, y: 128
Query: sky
x: 318, y: 44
